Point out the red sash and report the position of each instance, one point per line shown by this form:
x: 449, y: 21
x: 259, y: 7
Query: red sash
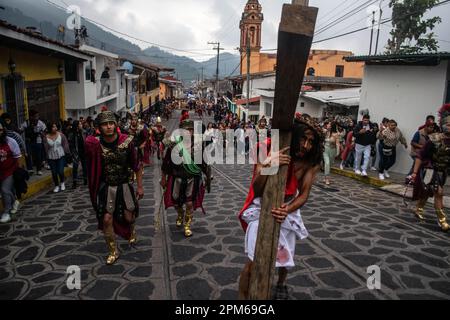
x: 291, y: 189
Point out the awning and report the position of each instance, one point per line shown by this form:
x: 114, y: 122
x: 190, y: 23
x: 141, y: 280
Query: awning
x: 131, y: 76
x: 251, y: 100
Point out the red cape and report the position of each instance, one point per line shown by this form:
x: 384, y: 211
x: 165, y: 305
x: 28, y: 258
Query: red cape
x: 93, y: 152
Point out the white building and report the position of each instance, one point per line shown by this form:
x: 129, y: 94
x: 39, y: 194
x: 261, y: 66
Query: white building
x: 83, y: 84
x: 323, y: 96
x: 318, y: 104
x: 406, y: 88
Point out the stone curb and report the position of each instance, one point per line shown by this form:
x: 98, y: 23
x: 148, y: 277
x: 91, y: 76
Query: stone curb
x: 386, y: 186
x: 40, y: 185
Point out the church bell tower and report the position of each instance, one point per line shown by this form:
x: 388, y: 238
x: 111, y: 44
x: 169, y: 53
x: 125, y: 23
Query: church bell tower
x: 251, y: 27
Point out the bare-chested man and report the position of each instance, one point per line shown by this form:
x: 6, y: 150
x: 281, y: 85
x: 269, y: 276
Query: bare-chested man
x: 303, y: 159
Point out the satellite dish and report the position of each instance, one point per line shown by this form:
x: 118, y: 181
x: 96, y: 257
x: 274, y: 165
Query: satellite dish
x: 128, y: 66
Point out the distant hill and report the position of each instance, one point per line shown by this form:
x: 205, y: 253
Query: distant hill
x: 46, y: 18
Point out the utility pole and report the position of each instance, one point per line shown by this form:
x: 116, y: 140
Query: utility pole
x: 217, y: 69
x: 371, y: 32
x: 379, y: 26
x: 248, y: 52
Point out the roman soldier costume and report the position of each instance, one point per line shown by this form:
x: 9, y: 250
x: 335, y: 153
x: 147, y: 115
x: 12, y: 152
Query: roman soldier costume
x: 140, y: 139
x: 184, y: 182
x: 111, y: 170
x: 158, y: 134
x: 432, y: 169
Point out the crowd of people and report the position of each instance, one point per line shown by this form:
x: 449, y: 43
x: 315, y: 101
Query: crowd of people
x: 113, y: 152
x: 36, y: 144
x: 367, y: 144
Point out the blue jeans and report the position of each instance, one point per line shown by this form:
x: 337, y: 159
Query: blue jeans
x: 57, y: 167
x: 8, y: 194
x: 361, y: 150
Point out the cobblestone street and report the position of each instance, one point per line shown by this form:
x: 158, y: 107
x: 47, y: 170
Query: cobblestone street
x: 352, y: 226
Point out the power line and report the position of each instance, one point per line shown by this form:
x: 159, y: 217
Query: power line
x: 127, y: 35
x: 321, y: 24
x: 345, y: 16
x: 368, y: 27
x: 355, y: 23
x: 333, y: 10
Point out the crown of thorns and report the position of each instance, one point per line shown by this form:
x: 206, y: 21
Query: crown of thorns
x: 310, y: 122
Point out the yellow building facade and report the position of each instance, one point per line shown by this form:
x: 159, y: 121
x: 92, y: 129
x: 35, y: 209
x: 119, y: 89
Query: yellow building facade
x: 37, y: 76
x: 331, y: 63
x: 32, y: 71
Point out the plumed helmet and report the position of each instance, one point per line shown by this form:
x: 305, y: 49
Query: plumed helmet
x: 105, y: 117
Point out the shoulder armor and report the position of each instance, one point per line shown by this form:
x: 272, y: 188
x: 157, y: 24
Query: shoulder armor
x: 126, y: 143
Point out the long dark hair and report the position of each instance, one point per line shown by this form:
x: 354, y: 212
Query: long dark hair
x: 50, y: 125
x: 315, y: 155
x: 3, y: 134
x: 75, y: 125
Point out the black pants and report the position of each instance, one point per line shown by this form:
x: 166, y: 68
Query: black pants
x: 387, y: 161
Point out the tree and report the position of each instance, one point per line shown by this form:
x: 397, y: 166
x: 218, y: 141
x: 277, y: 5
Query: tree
x: 410, y: 30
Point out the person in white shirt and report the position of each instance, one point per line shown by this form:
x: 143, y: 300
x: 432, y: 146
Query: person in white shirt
x: 57, y: 147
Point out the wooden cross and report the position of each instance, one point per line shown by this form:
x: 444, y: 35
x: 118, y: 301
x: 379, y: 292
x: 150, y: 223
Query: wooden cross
x: 294, y: 43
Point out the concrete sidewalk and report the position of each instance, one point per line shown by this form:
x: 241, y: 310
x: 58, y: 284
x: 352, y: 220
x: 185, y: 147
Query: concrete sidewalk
x: 38, y: 184
x: 395, y: 184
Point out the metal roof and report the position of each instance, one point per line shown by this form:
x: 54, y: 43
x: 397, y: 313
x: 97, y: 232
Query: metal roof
x: 346, y: 97
x: 13, y: 35
x: 429, y: 58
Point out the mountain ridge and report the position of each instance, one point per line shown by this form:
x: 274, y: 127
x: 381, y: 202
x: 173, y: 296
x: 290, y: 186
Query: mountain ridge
x: 46, y: 18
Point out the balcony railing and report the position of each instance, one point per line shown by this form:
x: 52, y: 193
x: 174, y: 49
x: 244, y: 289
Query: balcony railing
x: 106, y: 87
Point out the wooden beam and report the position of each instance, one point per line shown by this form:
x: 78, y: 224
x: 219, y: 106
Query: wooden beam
x: 301, y: 2
x: 294, y: 43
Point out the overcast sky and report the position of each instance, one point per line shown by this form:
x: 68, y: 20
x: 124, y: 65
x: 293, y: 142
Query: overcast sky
x: 190, y: 24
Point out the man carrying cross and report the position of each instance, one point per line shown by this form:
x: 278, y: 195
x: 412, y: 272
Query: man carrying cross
x: 303, y: 163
